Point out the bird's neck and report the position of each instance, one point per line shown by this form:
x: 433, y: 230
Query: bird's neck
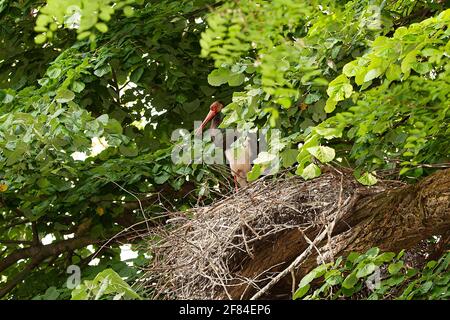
x: 215, y: 122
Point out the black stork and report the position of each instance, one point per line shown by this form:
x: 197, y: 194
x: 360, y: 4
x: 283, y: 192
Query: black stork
x: 238, y: 158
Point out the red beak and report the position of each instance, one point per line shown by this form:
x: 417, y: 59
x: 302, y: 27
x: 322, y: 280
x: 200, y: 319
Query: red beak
x: 208, y: 118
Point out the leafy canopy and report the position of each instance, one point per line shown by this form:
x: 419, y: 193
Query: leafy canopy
x: 355, y: 83
x: 374, y: 275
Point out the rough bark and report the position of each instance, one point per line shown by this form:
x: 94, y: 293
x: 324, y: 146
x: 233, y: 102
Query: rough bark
x: 392, y: 220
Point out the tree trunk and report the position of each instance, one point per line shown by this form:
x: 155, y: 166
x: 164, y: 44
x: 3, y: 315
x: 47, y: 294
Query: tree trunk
x: 392, y: 220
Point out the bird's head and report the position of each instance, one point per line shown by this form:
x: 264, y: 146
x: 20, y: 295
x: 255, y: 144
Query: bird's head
x: 214, y: 109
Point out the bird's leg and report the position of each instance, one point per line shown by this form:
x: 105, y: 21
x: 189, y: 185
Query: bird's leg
x: 235, y: 182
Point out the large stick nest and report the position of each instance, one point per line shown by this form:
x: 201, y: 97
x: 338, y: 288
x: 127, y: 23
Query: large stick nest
x: 206, y: 253
x: 199, y: 257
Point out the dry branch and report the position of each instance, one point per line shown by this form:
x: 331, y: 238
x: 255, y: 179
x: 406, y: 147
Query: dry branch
x: 253, y: 243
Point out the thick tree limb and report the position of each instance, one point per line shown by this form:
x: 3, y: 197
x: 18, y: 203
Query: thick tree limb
x: 256, y: 242
x: 15, y: 242
x: 11, y: 284
x: 42, y: 252
x: 38, y: 254
x: 394, y: 219
x: 35, y: 231
x: 291, y: 268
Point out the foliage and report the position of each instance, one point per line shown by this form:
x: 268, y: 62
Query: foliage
x: 299, y: 64
x: 105, y: 284
x: 82, y: 15
x: 123, y: 75
x: 374, y: 275
x: 60, y: 99
x: 411, y: 125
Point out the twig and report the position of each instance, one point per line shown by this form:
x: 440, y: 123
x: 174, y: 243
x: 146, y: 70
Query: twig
x: 291, y: 267
x: 138, y: 200
x: 305, y: 253
x: 293, y: 281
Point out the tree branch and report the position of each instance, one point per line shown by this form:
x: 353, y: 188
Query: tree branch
x: 36, y: 241
x: 11, y: 284
x: 393, y: 219
x: 41, y: 251
x: 15, y: 242
x: 116, y: 86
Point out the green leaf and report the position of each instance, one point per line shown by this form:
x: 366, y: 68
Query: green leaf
x: 128, y: 11
x: 103, y: 70
x: 129, y: 151
x: 373, y: 296
x: 372, y: 252
x: 229, y: 119
x: 311, y: 171
x: 350, y: 281
x: 40, y: 38
x: 78, y: 86
x: 51, y: 294
x: 323, y: 154
x: 192, y: 106
x: 301, y: 291
x: 394, y: 268
x: 274, y: 116
x: 339, y: 89
x: 136, y: 75
x: 422, y: 67
x: 395, y: 280
x: 366, y: 270
x: 285, y: 102
x: 329, y: 133
x: 103, y: 119
x: 106, y: 282
x: 431, y: 264
x: 367, y: 179
x: 384, y: 257
x: 408, y: 61
x: 54, y: 73
x: 218, y: 77
x: 235, y: 80
x: 102, y: 27
x: 350, y: 69
x: 353, y: 256
x: 333, y: 277
x: 372, y: 74
x: 162, y: 178
x: 64, y: 96
x: 312, y: 97
x: 83, y: 35
x: 411, y: 272
x: 393, y: 72
x: 313, y: 274
x: 426, y: 287
x: 254, y: 173
x: 330, y: 105
x: 80, y: 293
x: 289, y: 157
x: 264, y: 157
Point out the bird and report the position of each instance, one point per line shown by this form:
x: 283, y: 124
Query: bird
x: 238, y: 157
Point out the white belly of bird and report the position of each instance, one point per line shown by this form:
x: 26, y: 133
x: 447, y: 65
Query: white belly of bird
x: 239, y: 160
